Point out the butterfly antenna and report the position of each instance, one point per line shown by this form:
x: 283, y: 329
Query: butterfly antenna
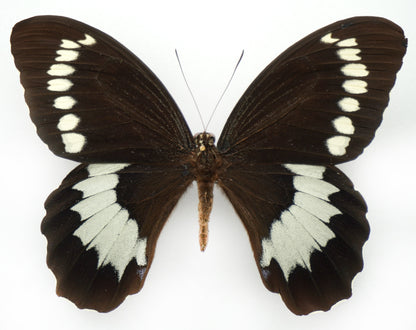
x: 226, y: 87
x: 189, y: 89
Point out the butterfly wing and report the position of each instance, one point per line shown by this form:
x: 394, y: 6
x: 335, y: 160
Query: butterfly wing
x: 90, y: 98
x: 316, y: 105
x: 93, y: 101
x: 102, y: 224
x: 306, y: 225
x: 322, y: 99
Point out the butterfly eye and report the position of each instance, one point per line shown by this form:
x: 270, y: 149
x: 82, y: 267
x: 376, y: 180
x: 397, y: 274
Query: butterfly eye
x: 196, y: 140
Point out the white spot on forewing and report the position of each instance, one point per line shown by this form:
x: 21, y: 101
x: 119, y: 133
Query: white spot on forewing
x: 337, y: 145
x: 351, y: 42
x: 61, y: 70
x: 306, y: 170
x: 69, y: 44
x: 90, y: 229
x: 355, y: 70
x: 328, y: 39
x: 64, y: 102
x: 343, y: 125
x: 66, y: 55
x: 355, y: 86
x: 68, y: 122
x: 87, y: 41
x: 102, y: 169
x: 319, y: 208
x: 349, y: 54
x: 348, y: 104
x: 96, y: 184
x: 73, y: 142
x: 314, y: 187
x: 89, y: 206
x: 59, y: 85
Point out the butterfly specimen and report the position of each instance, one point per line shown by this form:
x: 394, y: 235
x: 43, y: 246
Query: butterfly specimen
x: 316, y: 105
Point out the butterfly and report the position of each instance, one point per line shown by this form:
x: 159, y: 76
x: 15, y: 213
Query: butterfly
x: 316, y: 105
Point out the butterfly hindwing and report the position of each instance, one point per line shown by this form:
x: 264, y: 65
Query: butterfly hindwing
x: 321, y: 100
x: 306, y: 225
x: 90, y: 98
x: 102, y: 224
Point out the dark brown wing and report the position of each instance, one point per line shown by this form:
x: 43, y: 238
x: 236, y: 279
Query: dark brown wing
x: 306, y: 226
x: 93, y: 101
x: 90, y: 98
x: 321, y: 101
x: 102, y: 225
x: 316, y: 105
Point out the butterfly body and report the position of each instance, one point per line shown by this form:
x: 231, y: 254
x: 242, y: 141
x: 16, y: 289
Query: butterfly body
x: 316, y: 105
x: 206, y: 163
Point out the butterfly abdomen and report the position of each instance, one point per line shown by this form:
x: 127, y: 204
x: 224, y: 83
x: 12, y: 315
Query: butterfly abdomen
x: 205, y: 194
x: 206, y: 162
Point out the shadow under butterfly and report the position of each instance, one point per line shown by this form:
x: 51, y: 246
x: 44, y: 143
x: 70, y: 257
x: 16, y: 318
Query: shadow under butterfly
x: 316, y: 105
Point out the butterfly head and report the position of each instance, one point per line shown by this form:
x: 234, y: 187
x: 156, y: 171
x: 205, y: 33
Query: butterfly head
x: 204, y: 142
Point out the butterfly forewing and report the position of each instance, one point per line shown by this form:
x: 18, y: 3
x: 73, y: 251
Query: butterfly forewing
x: 91, y: 99
x: 321, y: 100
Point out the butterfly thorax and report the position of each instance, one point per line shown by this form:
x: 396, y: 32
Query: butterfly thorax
x: 206, y: 162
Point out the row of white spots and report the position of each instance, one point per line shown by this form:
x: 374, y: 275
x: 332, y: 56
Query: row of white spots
x: 337, y: 144
x: 73, y: 142
x: 303, y: 227
x: 106, y: 225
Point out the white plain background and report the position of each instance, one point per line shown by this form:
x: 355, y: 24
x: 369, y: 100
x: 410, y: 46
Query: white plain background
x: 221, y: 288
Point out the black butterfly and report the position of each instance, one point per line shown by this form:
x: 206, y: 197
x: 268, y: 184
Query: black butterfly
x: 316, y: 105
